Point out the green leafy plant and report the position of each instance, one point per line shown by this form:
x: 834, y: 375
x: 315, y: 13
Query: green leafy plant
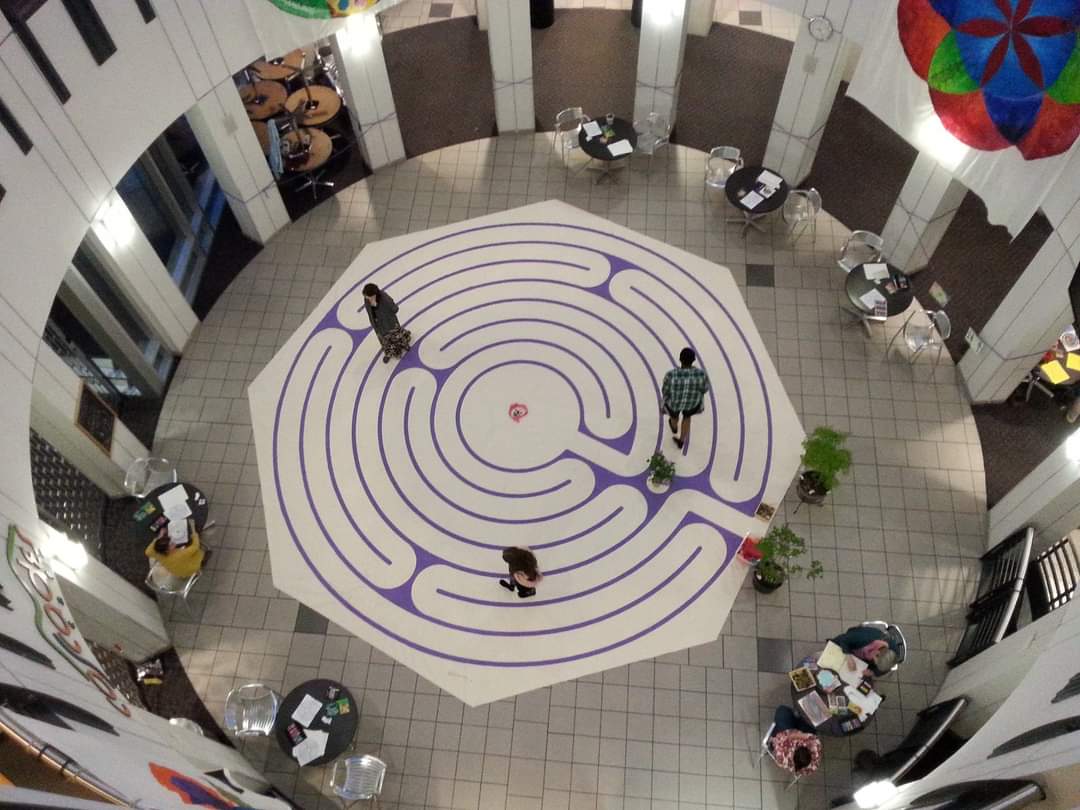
x: 825, y: 457
x: 661, y: 471
x: 780, y: 550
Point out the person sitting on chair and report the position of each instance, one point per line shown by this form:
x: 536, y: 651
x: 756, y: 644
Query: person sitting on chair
x: 182, y: 561
x: 794, y: 745
x: 868, y: 644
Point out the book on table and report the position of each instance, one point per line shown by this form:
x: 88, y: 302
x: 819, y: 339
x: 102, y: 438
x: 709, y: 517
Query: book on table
x: 1054, y: 372
x: 620, y: 148
x: 592, y: 130
x: 815, y: 709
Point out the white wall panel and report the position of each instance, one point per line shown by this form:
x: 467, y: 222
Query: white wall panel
x: 232, y: 28
x: 209, y: 47
x: 182, y: 45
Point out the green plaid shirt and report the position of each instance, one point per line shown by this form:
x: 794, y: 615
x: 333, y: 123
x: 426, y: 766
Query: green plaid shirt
x: 684, y: 389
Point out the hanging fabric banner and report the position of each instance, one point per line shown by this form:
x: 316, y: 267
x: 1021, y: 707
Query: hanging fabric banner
x: 283, y: 25
x: 989, y: 88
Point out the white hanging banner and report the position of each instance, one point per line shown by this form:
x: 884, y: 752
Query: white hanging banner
x: 997, y: 109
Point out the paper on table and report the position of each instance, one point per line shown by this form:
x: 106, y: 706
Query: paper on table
x: 867, y: 703
x: 592, y: 130
x: 1072, y: 362
x: 852, y: 676
x: 876, y: 271
x: 307, y: 710
x: 178, y: 511
x: 311, y: 747
x: 751, y: 200
x: 172, y: 497
x: 870, y: 299
x: 832, y: 657
x: 1054, y: 372
x: 769, y: 179
x: 620, y: 148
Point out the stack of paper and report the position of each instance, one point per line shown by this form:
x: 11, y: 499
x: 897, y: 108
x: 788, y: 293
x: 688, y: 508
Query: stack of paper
x: 832, y: 657
x: 620, y: 148
x: 311, y: 747
x: 307, y: 711
x: 850, y: 675
x: 592, y: 130
x: 174, y: 503
x: 770, y: 180
x: 860, y: 704
x: 752, y: 200
x: 871, y: 299
x: 876, y: 271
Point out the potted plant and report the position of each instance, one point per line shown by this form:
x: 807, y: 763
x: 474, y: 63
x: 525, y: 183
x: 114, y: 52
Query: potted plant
x: 661, y: 471
x: 824, y: 458
x: 779, y: 550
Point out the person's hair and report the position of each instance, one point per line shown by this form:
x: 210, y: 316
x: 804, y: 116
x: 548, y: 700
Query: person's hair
x: 521, y: 559
x: 801, y: 758
x: 687, y: 357
x: 884, y: 660
x: 370, y: 290
x: 161, y: 544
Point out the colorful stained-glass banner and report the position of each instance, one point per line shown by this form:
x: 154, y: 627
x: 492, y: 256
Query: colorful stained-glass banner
x: 323, y: 9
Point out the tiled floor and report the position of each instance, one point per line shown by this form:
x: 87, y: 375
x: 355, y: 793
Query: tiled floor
x: 898, y: 538
x: 755, y: 15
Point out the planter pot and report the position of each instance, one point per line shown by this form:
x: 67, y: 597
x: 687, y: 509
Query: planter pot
x: 761, y: 586
x: 657, y: 488
x: 810, y: 489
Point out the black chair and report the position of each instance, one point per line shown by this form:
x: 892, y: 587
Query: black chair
x: 928, y: 734
x: 988, y: 624
x: 1052, y: 577
x: 991, y: 794
x: 1005, y: 564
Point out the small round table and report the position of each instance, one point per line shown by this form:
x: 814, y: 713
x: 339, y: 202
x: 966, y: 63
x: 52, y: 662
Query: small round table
x: 325, y: 104
x: 319, y: 152
x: 741, y: 183
x: 267, y: 100
x: 896, y: 301
x: 340, y: 729
x: 832, y: 727
x: 280, y: 69
x: 147, y: 522
x: 597, y: 148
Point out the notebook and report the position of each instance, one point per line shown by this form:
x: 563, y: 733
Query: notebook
x: 751, y: 200
x: 1072, y: 362
x: 620, y: 148
x: 592, y: 129
x: 876, y: 271
x: 1054, y: 372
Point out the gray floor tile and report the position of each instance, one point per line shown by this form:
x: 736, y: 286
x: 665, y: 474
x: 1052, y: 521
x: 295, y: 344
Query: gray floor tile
x: 774, y: 654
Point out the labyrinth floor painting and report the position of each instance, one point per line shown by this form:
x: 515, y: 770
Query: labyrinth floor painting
x: 524, y: 414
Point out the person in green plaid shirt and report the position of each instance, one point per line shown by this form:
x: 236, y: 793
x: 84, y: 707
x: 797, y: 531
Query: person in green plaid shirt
x: 684, y: 391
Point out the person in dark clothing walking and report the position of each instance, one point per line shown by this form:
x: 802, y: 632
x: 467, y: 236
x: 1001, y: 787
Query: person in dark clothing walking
x: 524, y: 571
x: 382, y: 312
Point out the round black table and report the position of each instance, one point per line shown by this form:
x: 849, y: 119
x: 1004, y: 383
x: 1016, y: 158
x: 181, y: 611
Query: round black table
x: 896, y: 302
x: 340, y: 730
x: 745, y: 180
x: 832, y: 727
x: 597, y: 148
x: 146, y: 523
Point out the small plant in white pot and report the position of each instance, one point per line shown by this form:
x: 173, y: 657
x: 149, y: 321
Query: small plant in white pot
x: 661, y: 471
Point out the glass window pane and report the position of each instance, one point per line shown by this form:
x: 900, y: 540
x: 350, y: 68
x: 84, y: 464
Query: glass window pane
x: 141, y: 198
x: 88, y: 268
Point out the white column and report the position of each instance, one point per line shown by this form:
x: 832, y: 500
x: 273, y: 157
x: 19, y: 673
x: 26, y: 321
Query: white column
x: 660, y: 57
x: 1047, y: 498
x: 231, y: 147
x: 921, y: 214
x: 482, y: 14
x: 510, y: 43
x: 130, y: 260
x: 810, y: 85
x: 366, y: 85
x: 53, y: 405
x: 700, y: 17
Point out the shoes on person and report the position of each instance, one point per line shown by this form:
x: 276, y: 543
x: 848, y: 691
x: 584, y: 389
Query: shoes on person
x: 386, y: 358
x: 678, y: 441
x: 671, y: 424
x: 506, y: 584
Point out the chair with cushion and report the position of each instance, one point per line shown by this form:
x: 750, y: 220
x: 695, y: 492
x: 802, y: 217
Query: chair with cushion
x: 800, y: 212
x: 144, y: 475
x: 250, y: 710
x: 653, y: 135
x: 357, y: 779
x: 567, y: 125
x: 897, y: 642
x: 722, y: 162
x: 929, y: 332
x: 860, y: 247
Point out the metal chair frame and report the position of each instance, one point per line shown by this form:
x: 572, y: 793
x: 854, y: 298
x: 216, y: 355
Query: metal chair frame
x: 867, y: 239
x: 139, y: 478
x: 653, y: 134
x: 767, y: 749
x: 366, y: 771
x: 160, y: 581
x: 940, y: 325
x: 234, y: 706
x: 567, y: 124
x: 807, y: 215
x: 722, y: 162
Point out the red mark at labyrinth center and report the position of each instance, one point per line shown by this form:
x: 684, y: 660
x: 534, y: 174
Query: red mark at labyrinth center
x: 518, y: 411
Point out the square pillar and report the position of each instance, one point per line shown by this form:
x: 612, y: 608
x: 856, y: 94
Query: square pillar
x: 232, y: 149
x: 366, y: 85
x: 660, y: 57
x: 921, y: 215
x: 700, y: 17
x: 810, y: 85
x: 510, y: 43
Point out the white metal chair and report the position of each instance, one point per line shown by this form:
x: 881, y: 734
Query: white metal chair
x: 654, y: 134
x: 160, y: 581
x: 250, y: 710
x: 357, y: 779
x: 860, y: 247
x: 144, y: 475
x: 767, y: 749
x: 922, y: 336
x: 801, y: 208
x: 567, y: 125
x: 722, y: 162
